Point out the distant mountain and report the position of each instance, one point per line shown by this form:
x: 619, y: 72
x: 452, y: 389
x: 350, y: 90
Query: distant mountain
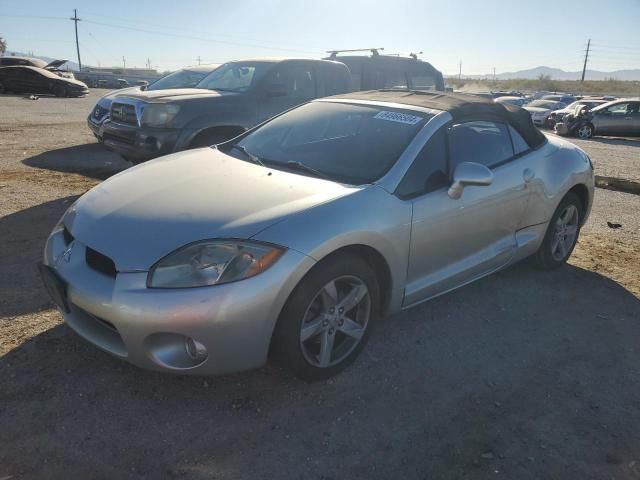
x: 67, y: 66
x: 558, y: 74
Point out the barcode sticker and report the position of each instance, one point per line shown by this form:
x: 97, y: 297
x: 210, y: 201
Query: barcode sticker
x: 397, y: 117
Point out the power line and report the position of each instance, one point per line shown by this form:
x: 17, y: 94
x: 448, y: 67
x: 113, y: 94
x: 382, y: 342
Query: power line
x: 203, y: 39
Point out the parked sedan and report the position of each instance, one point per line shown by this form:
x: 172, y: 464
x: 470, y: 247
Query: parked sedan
x: 298, y: 236
x: 541, y: 109
x: 620, y: 117
x: 25, y: 79
x: 184, y: 78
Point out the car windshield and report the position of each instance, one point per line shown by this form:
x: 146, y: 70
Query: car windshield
x: 354, y: 144
x: 178, y: 79
x: 235, y: 77
x: 542, y: 104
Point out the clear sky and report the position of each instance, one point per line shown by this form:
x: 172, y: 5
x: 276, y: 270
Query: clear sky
x: 508, y: 35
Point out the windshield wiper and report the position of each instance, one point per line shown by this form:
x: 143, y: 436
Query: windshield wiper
x: 248, y: 154
x: 307, y: 168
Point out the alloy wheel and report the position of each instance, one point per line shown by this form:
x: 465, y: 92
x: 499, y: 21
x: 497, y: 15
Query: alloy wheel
x: 584, y: 131
x: 566, y: 231
x: 335, y: 321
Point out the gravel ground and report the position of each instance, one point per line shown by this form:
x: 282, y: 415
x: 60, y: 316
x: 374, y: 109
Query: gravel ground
x: 522, y: 375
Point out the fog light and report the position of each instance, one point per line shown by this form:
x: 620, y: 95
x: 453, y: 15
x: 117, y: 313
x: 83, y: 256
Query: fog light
x: 195, y: 349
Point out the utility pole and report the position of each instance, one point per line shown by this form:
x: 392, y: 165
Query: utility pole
x: 75, y: 21
x: 124, y: 63
x: 198, y: 59
x: 148, y: 64
x: 494, y: 74
x: 586, y: 57
x: 460, y: 71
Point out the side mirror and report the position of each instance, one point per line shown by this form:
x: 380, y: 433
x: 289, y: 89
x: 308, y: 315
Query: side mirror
x: 276, y: 90
x: 468, y: 173
x: 143, y: 87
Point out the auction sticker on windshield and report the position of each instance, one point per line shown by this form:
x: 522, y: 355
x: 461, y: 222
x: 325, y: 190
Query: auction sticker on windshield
x: 397, y: 117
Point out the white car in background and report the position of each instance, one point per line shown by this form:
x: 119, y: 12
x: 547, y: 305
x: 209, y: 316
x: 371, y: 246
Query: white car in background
x: 541, y: 109
x: 517, y: 101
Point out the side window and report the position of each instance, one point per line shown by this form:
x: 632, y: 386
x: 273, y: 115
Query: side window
x: 298, y: 80
x: 618, y: 109
x: 482, y: 142
x: 428, y: 172
x: 388, y: 78
x: 519, y: 144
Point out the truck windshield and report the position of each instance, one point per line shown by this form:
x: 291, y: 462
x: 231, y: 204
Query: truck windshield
x: 235, y: 77
x: 178, y: 79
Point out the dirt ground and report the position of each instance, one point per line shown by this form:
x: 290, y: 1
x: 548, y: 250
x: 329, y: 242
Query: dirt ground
x: 522, y: 375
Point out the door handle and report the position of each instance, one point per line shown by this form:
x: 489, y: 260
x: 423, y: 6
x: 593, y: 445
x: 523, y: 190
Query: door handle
x: 528, y: 175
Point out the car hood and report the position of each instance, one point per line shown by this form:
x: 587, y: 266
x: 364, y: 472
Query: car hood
x: 111, y: 95
x: 176, y: 94
x: 73, y: 81
x: 146, y: 212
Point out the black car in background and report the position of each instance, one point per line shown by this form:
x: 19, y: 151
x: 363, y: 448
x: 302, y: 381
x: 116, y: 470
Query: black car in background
x: 26, y: 79
x: 377, y: 71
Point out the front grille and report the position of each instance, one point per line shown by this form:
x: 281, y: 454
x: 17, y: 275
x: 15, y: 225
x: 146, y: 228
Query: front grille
x: 99, y: 112
x: 123, y: 113
x: 99, y: 262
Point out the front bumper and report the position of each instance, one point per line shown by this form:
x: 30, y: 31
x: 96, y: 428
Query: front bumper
x: 139, y: 143
x: 147, y: 327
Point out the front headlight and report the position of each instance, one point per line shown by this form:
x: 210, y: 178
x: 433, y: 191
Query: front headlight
x: 212, y: 262
x: 159, y: 115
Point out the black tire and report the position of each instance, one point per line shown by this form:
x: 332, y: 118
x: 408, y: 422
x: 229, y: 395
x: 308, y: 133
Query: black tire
x: 585, y: 131
x: 546, y: 257
x: 287, y: 348
x: 59, y: 91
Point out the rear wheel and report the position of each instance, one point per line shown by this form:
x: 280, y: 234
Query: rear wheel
x: 585, y: 131
x: 562, y: 234
x: 59, y: 91
x: 327, y: 319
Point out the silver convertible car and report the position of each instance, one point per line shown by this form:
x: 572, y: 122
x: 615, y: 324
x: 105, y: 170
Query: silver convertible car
x: 295, y: 238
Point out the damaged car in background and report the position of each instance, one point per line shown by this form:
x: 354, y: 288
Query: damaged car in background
x: 26, y: 79
x: 295, y: 238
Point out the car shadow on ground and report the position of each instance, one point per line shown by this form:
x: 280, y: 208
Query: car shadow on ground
x: 532, y: 374
x: 91, y: 160
x: 629, y: 142
x: 22, y: 238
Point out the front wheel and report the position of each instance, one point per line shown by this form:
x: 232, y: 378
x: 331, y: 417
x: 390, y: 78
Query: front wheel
x: 585, y: 131
x: 562, y: 234
x: 327, y: 319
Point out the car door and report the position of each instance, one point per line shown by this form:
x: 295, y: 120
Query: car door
x: 634, y: 129
x: 456, y: 241
x: 614, y: 120
x: 286, y: 86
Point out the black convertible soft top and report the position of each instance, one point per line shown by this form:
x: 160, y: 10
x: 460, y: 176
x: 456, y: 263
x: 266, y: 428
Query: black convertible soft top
x: 461, y: 107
